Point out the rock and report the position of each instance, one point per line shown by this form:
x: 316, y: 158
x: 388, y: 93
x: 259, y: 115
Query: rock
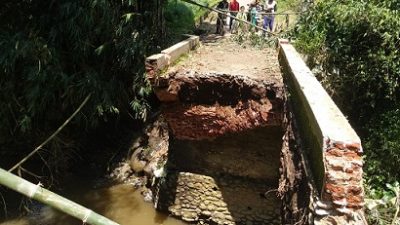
x: 137, y: 165
x: 189, y: 216
x: 212, y: 199
x: 190, y: 184
x: 147, y: 195
x: 229, y: 217
x: 198, y: 185
x: 150, y: 167
x: 220, y: 209
x: 136, y: 182
x: 221, y: 204
x: 203, y: 206
x: 190, y: 198
x: 217, y: 194
x: 211, y: 207
x: 206, y: 213
x: 218, y: 215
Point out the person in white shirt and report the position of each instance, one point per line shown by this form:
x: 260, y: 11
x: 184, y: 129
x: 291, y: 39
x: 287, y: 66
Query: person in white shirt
x: 270, y: 8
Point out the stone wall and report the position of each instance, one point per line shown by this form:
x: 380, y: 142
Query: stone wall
x: 332, y: 147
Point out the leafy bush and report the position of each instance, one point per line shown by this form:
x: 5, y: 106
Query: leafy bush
x: 181, y: 17
x: 383, y: 149
x: 354, y: 49
x: 54, y: 54
x: 357, y: 43
x: 382, y: 205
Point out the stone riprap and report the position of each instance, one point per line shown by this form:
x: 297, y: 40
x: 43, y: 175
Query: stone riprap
x: 223, y: 181
x: 219, y: 200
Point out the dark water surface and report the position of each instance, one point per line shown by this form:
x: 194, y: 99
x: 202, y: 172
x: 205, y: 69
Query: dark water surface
x: 121, y: 203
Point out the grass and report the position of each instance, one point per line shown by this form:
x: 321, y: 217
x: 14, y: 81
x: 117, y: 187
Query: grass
x: 287, y: 6
x: 182, y: 17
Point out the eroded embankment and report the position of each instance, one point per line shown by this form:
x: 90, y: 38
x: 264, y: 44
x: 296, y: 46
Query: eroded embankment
x: 214, y: 155
x: 206, y: 105
x: 224, y: 148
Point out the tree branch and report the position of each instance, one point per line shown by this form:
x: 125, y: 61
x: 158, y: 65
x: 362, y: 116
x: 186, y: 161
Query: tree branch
x: 51, y: 136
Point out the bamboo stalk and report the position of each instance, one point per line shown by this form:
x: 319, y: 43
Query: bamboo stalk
x: 49, y: 198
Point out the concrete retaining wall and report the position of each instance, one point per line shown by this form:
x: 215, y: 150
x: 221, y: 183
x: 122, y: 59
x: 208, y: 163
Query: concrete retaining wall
x: 158, y: 62
x: 332, y: 146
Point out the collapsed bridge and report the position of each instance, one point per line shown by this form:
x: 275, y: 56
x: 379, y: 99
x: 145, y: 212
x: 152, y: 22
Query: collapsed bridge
x: 251, y: 137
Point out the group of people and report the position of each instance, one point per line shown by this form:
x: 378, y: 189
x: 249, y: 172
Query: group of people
x: 252, y: 15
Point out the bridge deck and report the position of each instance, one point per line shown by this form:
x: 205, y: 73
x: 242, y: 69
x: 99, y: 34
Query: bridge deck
x: 224, y: 55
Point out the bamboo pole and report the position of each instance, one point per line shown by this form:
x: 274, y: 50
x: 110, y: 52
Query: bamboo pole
x: 49, y: 198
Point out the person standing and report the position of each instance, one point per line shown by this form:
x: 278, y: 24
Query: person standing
x: 253, y: 15
x: 234, y: 9
x: 222, y: 6
x: 240, y: 26
x: 270, y: 8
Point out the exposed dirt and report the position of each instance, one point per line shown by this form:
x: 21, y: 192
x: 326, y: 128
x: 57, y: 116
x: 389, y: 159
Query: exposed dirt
x: 220, y: 88
x: 223, y: 106
x: 223, y: 55
x: 199, y: 122
x: 209, y: 88
x: 250, y: 154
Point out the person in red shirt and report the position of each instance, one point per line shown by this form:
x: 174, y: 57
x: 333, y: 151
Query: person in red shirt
x: 234, y: 9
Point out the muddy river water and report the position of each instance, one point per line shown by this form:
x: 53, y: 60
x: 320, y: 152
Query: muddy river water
x: 229, y: 180
x: 121, y: 203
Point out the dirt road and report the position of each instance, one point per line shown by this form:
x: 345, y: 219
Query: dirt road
x: 224, y: 55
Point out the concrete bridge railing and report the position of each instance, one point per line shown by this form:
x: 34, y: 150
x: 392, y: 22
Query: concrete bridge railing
x: 332, y: 147
x: 158, y: 62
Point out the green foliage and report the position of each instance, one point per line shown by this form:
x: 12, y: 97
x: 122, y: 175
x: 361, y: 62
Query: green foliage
x: 181, y: 17
x: 381, y: 167
x: 254, y: 39
x: 53, y: 54
x: 357, y: 43
x: 382, y: 204
x: 383, y: 145
x: 354, y: 49
x: 288, y: 5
